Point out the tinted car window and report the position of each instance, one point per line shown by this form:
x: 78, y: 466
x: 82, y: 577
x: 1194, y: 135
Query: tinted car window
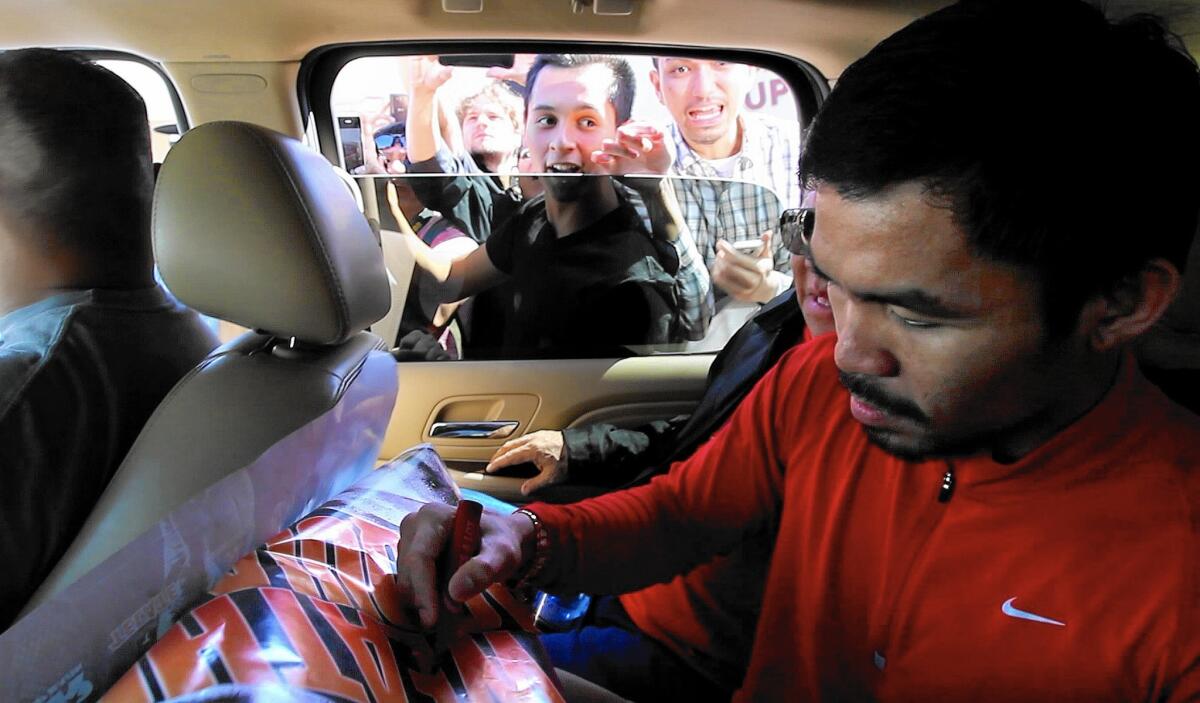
x: 584, y: 217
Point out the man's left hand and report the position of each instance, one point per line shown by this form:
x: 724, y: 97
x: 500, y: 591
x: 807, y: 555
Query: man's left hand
x: 745, y: 277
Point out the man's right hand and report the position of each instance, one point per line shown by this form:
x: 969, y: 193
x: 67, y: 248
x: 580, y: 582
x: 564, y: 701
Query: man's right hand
x: 517, y: 74
x: 426, y: 75
x: 545, y: 449
x: 507, y: 542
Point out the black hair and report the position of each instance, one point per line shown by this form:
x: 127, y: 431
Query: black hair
x: 620, y: 93
x: 75, y: 162
x: 1051, y: 133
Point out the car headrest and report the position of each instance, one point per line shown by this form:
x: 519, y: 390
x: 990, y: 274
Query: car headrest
x: 252, y: 227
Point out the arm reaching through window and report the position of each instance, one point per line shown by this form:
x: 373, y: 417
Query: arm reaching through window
x: 456, y: 278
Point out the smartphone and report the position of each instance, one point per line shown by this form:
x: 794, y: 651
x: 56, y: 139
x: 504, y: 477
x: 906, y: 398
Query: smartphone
x: 350, y: 132
x: 398, y: 106
x: 751, y: 247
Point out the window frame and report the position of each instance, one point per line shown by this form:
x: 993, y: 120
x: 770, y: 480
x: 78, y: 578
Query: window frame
x: 321, y: 66
x: 94, y: 54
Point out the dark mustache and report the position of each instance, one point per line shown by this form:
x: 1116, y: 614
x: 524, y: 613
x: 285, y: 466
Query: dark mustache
x: 862, y: 386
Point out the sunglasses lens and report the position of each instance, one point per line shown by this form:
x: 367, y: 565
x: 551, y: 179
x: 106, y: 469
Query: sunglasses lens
x: 796, y: 226
x: 387, y: 141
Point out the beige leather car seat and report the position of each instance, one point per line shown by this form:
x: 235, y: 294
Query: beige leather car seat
x: 252, y: 227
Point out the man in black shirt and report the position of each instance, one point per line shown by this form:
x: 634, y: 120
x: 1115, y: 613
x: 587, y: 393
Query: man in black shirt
x: 584, y: 294
x: 586, y: 277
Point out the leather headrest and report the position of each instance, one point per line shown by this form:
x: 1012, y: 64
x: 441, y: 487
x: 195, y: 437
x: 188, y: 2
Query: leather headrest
x: 252, y: 227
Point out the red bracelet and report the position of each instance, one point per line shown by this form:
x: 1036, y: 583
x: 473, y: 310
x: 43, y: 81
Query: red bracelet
x: 541, y: 549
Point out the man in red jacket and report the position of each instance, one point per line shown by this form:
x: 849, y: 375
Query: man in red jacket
x: 974, y: 493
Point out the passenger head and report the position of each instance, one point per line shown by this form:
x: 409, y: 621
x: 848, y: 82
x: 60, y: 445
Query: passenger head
x: 572, y: 104
x: 75, y: 171
x: 812, y: 292
x: 392, y: 146
x: 491, y: 121
x: 705, y: 99
x: 994, y: 241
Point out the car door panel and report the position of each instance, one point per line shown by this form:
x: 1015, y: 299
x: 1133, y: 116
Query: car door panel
x: 536, y: 395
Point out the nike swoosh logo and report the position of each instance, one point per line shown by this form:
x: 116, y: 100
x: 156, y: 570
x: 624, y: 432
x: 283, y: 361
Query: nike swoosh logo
x: 1012, y: 612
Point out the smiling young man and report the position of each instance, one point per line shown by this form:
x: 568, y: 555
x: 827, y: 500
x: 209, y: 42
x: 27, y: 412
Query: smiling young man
x: 974, y: 493
x: 480, y: 202
x: 585, y: 279
x: 741, y: 171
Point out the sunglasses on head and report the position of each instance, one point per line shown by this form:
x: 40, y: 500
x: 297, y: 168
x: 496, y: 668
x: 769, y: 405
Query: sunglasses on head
x: 796, y: 229
x: 387, y: 141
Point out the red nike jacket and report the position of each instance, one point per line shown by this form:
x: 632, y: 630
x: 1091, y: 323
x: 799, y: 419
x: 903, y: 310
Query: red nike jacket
x: 1071, y: 574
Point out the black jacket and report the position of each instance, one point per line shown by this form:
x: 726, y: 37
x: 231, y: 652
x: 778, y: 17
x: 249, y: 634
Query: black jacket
x: 605, y: 455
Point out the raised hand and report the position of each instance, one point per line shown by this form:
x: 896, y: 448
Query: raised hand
x: 426, y: 75
x: 639, y: 149
x: 518, y: 72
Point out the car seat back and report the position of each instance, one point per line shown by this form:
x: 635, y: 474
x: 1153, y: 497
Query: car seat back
x: 252, y: 227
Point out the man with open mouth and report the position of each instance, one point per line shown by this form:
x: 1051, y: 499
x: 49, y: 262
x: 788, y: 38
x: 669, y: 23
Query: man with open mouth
x: 585, y: 277
x: 740, y: 172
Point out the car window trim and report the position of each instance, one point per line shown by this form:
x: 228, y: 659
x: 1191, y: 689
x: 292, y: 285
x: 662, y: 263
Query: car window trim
x: 321, y: 66
x: 94, y: 54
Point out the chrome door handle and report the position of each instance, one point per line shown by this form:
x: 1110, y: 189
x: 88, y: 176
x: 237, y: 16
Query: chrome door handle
x: 498, y: 429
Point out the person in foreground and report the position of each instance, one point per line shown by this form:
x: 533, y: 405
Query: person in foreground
x: 975, y: 493
x: 89, y: 344
x: 690, y: 638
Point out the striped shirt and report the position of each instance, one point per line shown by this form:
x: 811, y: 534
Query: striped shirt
x: 763, y: 183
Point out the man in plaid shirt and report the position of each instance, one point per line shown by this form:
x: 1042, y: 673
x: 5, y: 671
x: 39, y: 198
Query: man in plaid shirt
x: 738, y: 173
